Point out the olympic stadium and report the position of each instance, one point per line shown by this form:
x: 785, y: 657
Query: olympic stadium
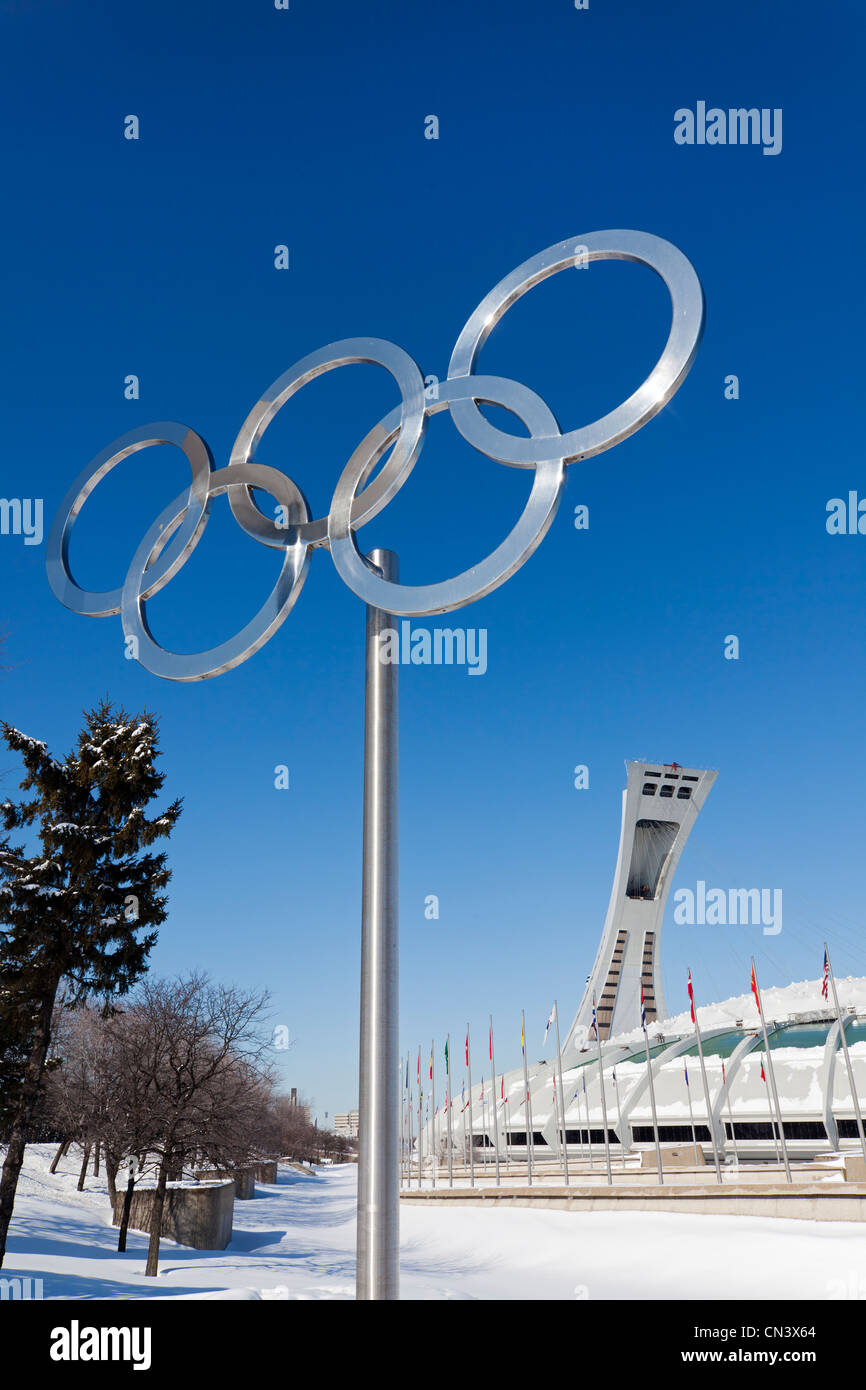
x: 660, y: 806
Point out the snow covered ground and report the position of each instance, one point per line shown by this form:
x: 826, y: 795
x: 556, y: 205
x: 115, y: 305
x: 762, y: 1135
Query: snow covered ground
x: 296, y: 1240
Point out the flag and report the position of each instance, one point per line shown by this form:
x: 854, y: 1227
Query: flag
x: 584, y: 1083
x: 724, y: 1078
x: 419, y: 1071
x: 692, y: 998
x: 407, y: 1071
x: 551, y: 1019
x: 502, y: 1087
x: 642, y: 1010
x: 686, y: 1070
x: 522, y: 1037
x: 755, y: 989
x: 467, y: 1047
x: 613, y: 1076
x: 594, y: 1029
x: 447, y: 1066
x: 431, y: 1061
x: 763, y: 1077
x: 826, y: 979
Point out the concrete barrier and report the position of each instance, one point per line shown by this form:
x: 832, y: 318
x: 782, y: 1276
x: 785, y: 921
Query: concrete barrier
x: 679, y: 1157
x: 199, y: 1216
x: 244, y: 1180
x: 855, y: 1168
x: 265, y: 1172
x: 812, y: 1202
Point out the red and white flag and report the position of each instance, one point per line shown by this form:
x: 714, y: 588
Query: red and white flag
x: 755, y: 990
x: 692, y: 998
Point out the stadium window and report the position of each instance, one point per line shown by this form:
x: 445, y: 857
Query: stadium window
x: 649, y: 789
x: 683, y: 793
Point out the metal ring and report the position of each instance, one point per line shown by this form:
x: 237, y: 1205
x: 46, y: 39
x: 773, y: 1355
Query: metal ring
x: 279, y: 603
x: 349, y: 351
x: 169, y: 556
x: 687, y: 326
x: 531, y: 528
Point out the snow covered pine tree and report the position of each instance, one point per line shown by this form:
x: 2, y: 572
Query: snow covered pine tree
x: 83, y: 910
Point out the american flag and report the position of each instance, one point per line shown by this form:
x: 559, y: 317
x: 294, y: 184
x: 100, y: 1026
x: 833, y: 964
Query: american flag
x: 826, y: 980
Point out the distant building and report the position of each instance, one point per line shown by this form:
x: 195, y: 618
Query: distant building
x: 347, y: 1124
x: 293, y: 1101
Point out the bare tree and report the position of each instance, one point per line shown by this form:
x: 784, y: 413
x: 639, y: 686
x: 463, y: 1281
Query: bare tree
x: 192, y: 1057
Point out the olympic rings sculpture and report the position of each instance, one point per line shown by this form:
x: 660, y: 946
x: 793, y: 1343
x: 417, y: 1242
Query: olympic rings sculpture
x: 177, y: 530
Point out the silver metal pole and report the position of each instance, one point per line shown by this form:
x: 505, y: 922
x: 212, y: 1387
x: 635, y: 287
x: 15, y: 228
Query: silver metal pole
x: 772, y: 1075
x: 603, y: 1101
x: 652, y: 1091
x: 730, y: 1115
x: 471, y: 1134
x: 420, y: 1122
x: 378, y: 1185
x: 493, y: 1102
x: 448, y: 1103
x: 706, y: 1086
x: 691, y: 1111
x: 588, y: 1131
x: 526, y: 1100
x: 615, y: 1084
x: 844, y: 1041
x: 434, y: 1150
x: 561, y: 1093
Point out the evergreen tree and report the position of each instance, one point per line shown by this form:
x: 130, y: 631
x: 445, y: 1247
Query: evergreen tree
x: 83, y: 910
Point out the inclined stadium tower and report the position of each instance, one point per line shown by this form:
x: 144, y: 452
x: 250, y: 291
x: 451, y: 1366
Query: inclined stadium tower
x: 660, y: 805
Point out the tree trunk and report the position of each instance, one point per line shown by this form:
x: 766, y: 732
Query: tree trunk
x: 96, y: 1159
x: 24, y: 1114
x: 124, y: 1219
x: 156, y: 1217
x: 83, y: 1174
x: 61, y: 1153
x: 111, y: 1166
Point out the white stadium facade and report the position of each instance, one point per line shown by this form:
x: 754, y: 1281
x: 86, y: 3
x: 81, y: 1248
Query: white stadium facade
x: 660, y: 806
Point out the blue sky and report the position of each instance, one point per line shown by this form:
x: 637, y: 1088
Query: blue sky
x: 155, y: 257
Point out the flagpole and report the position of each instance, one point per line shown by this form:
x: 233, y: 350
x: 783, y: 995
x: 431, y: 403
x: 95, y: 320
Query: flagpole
x: 772, y: 1120
x: 619, y: 1117
x: 730, y: 1115
x: 493, y: 1098
x: 561, y: 1093
x: 652, y: 1090
x: 448, y: 1095
x: 420, y: 1121
x: 844, y: 1041
x: 402, y: 1127
x: 586, y: 1108
x: 463, y: 1113
x: 526, y: 1098
x: 507, y: 1126
x: 603, y: 1100
x: 772, y: 1073
x: 434, y: 1150
x: 409, y: 1121
x: 705, y: 1082
x: 471, y: 1135
x: 691, y: 1111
